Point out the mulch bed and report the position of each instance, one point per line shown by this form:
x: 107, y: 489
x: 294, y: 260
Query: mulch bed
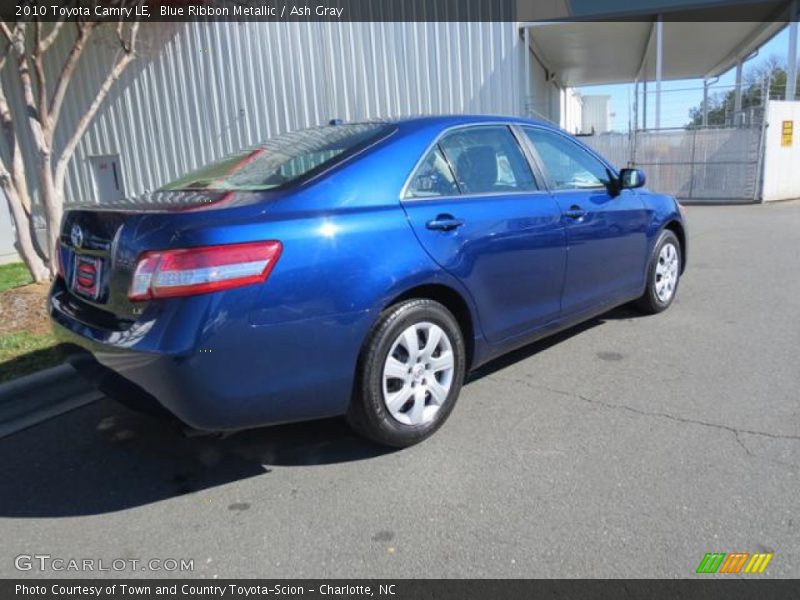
x: 25, y: 309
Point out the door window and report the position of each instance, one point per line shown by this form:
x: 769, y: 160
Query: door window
x: 487, y: 160
x: 569, y: 166
x: 433, y: 178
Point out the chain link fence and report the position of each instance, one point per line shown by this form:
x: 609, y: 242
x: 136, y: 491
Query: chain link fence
x: 721, y: 164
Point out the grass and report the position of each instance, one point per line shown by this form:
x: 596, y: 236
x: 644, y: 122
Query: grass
x: 13, y: 275
x: 22, y: 353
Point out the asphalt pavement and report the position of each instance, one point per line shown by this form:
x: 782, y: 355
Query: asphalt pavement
x: 627, y: 447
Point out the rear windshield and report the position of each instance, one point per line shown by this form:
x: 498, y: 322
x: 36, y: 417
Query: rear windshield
x: 283, y: 159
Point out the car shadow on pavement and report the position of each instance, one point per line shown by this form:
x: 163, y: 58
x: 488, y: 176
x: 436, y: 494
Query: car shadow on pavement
x: 104, y: 458
x: 621, y: 313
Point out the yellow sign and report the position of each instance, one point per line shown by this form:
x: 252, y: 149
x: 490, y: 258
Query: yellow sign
x: 786, y: 133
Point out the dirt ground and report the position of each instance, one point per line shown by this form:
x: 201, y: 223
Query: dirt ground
x: 25, y: 309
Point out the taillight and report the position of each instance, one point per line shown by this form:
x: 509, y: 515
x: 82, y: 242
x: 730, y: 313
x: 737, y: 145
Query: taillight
x: 189, y: 271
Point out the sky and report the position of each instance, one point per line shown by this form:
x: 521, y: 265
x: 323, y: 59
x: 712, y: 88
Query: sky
x: 680, y: 95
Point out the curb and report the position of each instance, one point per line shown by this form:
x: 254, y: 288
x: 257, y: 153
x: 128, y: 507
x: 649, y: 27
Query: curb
x: 35, y: 398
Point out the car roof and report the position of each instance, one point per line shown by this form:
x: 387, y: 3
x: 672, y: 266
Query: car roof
x: 411, y: 123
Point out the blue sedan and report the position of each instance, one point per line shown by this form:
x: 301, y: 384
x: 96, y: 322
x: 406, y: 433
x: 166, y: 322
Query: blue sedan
x: 358, y: 269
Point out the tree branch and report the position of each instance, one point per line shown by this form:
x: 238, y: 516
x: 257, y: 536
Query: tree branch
x: 6, y: 32
x: 115, y: 73
x: 41, y: 83
x: 14, y: 184
x: 51, y: 37
x: 24, y: 71
x: 16, y: 167
x: 68, y: 68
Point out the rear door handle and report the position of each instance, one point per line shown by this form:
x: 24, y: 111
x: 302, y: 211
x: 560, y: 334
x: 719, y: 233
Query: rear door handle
x: 444, y: 223
x: 575, y: 212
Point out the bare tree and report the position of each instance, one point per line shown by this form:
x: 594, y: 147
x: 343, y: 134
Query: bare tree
x: 26, y: 45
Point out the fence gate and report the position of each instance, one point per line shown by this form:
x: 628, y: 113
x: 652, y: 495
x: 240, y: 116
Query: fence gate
x: 712, y: 165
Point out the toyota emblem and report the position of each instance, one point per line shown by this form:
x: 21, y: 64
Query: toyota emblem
x: 76, y: 236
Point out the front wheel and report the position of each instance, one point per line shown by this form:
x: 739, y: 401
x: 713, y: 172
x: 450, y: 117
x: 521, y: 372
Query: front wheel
x: 663, y: 274
x: 409, y: 374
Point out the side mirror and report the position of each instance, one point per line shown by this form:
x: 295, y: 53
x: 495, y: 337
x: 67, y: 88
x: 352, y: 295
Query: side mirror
x: 631, y: 178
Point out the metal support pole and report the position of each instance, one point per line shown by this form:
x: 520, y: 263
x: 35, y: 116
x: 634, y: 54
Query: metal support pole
x: 659, y: 66
x: 692, y: 164
x: 791, y: 75
x: 705, y: 102
x: 644, y: 104
x: 528, y: 76
x: 737, y: 97
x: 635, y: 105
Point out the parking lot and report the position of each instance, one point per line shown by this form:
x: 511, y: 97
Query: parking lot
x: 627, y: 447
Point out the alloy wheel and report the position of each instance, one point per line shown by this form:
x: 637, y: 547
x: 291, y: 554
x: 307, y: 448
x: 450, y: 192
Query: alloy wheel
x: 666, y: 276
x: 418, y: 373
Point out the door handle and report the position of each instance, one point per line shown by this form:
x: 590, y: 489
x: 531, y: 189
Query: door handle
x: 575, y: 212
x: 444, y: 223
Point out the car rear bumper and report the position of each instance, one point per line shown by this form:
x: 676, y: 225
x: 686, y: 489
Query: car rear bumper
x: 239, y: 376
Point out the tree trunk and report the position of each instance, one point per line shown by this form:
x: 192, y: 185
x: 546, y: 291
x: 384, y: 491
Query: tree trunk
x: 41, y: 118
x: 25, y: 245
x: 53, y: 203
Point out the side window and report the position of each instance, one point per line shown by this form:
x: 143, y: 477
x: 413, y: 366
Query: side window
x: 569, y: 166
x: 432, y: 178
x: 487, y: 159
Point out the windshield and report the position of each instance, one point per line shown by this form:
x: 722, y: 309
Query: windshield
x: 281, y: 160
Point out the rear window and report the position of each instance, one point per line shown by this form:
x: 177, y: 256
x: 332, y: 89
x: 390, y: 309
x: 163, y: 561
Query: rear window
x: 283, y: 159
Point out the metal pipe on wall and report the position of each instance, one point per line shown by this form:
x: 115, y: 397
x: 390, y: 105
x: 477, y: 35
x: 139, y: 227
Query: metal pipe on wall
x: 528, y: 74
x: 737, y: 97
x: 659, y: 66
x: 791, y: 79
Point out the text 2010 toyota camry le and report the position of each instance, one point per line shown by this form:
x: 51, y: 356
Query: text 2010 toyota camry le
x: 357, y: 269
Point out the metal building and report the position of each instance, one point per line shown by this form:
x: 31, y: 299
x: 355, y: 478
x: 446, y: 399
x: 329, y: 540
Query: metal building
x: 202, y: 90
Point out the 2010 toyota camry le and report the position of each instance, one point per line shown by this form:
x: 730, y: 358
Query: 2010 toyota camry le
x: 358, y: 269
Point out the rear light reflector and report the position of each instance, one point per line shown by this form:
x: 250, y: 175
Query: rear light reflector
x: 189, y: 271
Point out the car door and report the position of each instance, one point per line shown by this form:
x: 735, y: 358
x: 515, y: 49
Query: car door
x: 476, y: 207
x: 606, y: 228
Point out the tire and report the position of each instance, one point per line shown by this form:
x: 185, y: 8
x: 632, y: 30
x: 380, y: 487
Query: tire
x: 401, y: 402
x: 663, y: 274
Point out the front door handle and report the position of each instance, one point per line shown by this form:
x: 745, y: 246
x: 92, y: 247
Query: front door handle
x: 575, y: 212
x: 444, y: 223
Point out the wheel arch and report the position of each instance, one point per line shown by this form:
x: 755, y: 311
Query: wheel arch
x: 677, y: 228
x: 453, y: 301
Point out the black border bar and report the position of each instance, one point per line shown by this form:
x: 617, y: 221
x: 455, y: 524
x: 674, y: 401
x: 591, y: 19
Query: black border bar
x: 527, y: 11
x: 421, y: 589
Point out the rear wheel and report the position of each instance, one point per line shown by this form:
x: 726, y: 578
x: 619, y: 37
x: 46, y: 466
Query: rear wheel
x: 663, y: 274
x: 409, y: 374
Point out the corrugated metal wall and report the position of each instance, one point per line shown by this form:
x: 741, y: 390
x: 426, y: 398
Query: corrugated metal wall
x: 7, y: 251
x: 596, y: 115
x: 203, y: 90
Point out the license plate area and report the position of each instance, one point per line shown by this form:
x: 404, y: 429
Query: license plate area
x: 86, y: 276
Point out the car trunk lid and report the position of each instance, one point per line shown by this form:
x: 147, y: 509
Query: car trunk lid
x: 99, y: 246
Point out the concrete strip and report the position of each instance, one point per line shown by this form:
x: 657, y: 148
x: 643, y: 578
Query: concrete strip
x: 30, y: 400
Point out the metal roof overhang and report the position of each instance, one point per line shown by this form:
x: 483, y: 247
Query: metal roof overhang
x: 701, y: 43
